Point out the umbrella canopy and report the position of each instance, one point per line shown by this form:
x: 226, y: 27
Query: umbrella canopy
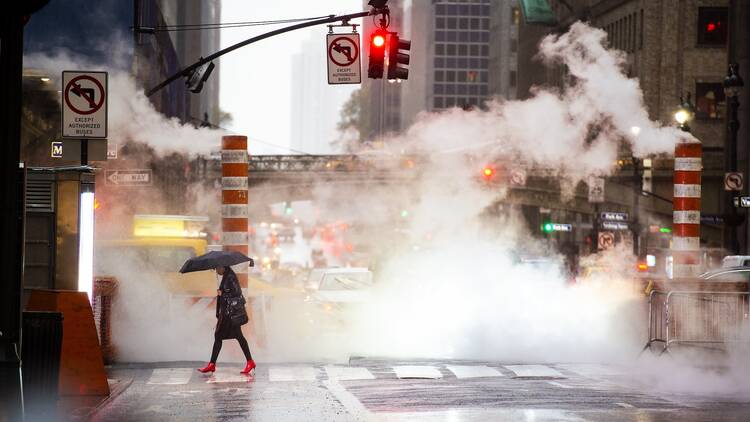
x: 214, y: 259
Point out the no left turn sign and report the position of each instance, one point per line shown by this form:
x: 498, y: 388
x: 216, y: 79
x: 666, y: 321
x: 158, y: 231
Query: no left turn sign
x: 733, y: 181
x: 84, y: 105
x: 343, y: 55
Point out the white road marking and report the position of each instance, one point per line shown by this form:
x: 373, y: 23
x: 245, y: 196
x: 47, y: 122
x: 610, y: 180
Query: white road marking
x: 592, y: 370
x: 534, y: 371
x: 348, y: 373
x: 170, y: 376
x: 291, y: 373
x: 625, y: 405
x: 478, y: 371
x: 350, y: 402
x: 417, y: 371
x: 557, y: 384
x: 228, y: 375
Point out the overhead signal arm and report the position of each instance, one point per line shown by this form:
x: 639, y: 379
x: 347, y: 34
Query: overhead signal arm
x: 379, y: 8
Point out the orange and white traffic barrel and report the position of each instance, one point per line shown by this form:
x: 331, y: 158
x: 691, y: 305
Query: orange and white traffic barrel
x: 687, y: 209
x: 234, y: 212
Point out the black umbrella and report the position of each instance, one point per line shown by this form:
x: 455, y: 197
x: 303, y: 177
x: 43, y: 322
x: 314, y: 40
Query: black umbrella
x: 213, y: 260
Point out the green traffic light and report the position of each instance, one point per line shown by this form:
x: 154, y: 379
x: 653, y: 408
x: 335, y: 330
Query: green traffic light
x: 547, y: 227
x: 288, y: 210
x: 404, y: 213
x: 665, y: 230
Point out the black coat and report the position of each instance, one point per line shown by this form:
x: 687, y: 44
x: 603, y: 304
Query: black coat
x: 230, y: 288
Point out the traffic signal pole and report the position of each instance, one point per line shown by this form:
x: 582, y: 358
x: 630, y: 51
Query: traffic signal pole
x: 190, y: 69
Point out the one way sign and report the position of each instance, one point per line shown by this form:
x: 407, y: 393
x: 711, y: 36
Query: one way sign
x: 129, y: 177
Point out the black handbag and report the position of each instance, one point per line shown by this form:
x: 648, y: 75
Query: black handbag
x: 236, y: 310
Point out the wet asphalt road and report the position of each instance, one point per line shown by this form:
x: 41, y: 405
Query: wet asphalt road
x: 387, y: 390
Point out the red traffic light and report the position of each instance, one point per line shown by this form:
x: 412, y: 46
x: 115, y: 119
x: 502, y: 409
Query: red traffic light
x: 376, y: 65
x: 711, y: 27
x: 488, y: 172
x: 378, y: 40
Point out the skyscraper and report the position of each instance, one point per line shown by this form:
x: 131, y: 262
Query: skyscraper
x: 466, y: 54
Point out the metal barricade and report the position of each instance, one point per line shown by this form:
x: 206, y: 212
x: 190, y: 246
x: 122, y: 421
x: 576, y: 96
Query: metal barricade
x: 695, y: 318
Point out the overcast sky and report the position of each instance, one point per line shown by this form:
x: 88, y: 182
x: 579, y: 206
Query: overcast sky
x: 256, y: 79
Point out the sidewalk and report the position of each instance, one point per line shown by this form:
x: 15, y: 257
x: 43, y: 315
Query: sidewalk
x: 82, y: 408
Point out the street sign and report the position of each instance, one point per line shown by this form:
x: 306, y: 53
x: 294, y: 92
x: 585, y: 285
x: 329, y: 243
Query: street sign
x: 733, y: 181
x: 112, y: 151
x: 606, y: 240
x: 138, y: 177
x: 596, y: 190
x: 84, y: 104
x: 614, y: 216
x: 614, y: 225
x: 712, y: 219
x: 562, y: 227
x: 96, y: 149
x: 745, y: 201
x: 343, y: 59
x: 518, y: 177
x: 57, y: 149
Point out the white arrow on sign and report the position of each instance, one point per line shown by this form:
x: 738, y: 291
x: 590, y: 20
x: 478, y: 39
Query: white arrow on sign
x: 129, y: 177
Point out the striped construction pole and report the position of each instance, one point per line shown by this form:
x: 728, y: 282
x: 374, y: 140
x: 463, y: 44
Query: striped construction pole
x: 687, y: 209
x: 234, y: 199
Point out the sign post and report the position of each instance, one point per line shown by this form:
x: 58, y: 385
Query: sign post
x: 343, y: 59
x: 84, y: 108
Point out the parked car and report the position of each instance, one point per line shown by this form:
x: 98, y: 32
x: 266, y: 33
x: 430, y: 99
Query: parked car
x: 728, y: 274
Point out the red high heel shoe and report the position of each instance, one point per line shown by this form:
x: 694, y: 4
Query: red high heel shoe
x: 211, y: 367
x: 249, y: 367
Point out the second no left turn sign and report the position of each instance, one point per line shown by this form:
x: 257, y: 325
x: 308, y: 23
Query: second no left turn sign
x: 84, y: 104
x: 343, y: 56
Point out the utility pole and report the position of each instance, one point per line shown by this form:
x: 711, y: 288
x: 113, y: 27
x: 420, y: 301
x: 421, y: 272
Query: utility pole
x: 739, y: 52
x: 637, y: 189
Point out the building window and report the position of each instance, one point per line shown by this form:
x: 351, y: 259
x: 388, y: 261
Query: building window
x: 516, y: 16
x: 438, y: 76
x: 512, y: 78
x: 437, y: 102
x: 712, y: 25
x: 709, y: 100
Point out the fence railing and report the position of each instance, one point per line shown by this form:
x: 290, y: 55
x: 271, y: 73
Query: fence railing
x: 696, y: 318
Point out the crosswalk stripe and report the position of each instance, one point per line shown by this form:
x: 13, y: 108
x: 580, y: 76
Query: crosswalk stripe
x: 534, y: 371
x: 291, y: 373
x: 225, y: 376
x: 348, y: 373
x: 592, y: 370
x: 478, y: 371
x: 417, y: 371
x: 170, y: 376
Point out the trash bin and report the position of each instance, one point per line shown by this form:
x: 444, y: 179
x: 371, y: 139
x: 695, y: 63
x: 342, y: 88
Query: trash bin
x: 41, y: 347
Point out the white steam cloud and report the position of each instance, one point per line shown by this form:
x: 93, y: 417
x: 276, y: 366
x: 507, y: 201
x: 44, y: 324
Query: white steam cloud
x: 575, y: 130
x: 449, y: 283
x: 131, y: 116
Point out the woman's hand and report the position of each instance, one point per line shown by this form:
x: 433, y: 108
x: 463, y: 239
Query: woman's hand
x: 218, y: 292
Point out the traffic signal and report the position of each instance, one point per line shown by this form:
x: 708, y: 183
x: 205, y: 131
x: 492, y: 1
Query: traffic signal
x: 396, y: 57
x: 647, y: 178
x: 488, y: 173
x: 376, y: 64
x: 198, y: 76
x: 548, y: 227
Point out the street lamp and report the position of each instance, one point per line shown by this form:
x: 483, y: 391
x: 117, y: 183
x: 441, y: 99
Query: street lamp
x: 684, y: 113
x: 733, y: 84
